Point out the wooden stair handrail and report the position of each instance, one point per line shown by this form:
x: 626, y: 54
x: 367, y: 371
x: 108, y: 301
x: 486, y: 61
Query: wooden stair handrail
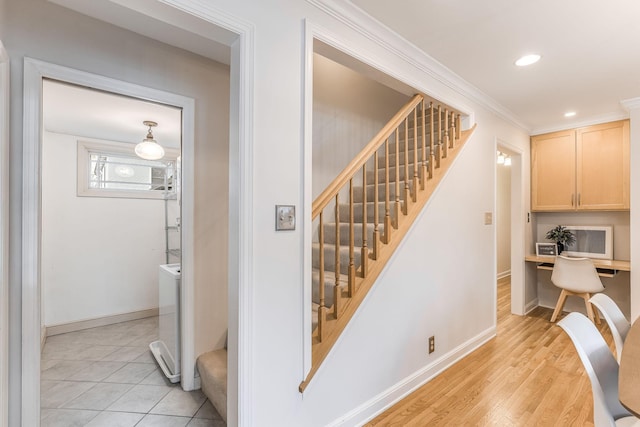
x: 349, y: 172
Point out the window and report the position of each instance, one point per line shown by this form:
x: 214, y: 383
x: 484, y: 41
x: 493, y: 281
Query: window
x: 113, y: 170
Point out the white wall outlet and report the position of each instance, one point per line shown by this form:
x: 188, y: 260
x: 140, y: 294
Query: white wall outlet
x: 285, y: 217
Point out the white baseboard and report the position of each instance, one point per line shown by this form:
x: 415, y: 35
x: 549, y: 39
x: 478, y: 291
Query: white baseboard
x: 378, y: 404
x: 504, y: 274
x: 530, y: 306
x: 63, y: 328
x: 43, y: 336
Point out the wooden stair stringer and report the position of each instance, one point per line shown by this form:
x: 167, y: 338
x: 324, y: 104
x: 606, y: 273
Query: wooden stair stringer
x: 334, y: 327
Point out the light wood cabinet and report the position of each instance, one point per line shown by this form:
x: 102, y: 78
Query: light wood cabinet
x: 581, y: 169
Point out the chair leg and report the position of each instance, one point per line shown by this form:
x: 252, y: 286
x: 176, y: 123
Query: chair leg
x: 591, y: 312
x: 561, y: 299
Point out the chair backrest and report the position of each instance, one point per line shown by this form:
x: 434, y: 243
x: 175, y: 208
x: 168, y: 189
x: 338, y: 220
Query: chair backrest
x: 576, y: 274
x: 618, y: 324
x: 600, y: 365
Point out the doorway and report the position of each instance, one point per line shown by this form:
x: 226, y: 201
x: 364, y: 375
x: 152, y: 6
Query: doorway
x: 35, y: 73
x: 511, y: 221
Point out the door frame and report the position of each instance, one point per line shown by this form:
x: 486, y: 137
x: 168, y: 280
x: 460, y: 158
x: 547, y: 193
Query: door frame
x: 5, y: 84
x: 34, y: 72
x: 518, y: 225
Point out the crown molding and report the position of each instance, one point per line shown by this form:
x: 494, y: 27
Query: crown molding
x: 594, y: 120
x: 631, y: 103
x: 358, y: 20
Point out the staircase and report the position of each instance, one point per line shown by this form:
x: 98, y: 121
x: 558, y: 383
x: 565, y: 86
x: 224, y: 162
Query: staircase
x: 362, y: 216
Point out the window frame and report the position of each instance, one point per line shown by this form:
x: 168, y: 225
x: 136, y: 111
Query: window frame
x: 86, y: 148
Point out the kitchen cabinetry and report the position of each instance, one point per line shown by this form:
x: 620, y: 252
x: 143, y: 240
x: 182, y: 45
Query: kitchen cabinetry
x: 581, y: 169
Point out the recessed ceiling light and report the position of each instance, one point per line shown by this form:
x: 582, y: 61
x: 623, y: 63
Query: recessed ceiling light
x: 528, y: 60
x: 570, y: 114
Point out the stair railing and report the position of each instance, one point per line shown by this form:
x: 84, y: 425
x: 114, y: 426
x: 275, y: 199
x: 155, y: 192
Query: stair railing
x: 432, y: 133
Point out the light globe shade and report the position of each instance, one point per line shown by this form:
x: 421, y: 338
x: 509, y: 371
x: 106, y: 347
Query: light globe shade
x: 507, y: 161
x: 149, y: 150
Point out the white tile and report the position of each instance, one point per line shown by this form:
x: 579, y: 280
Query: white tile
x: 156, y: 377
x: 146, y: 357
x: 126, y: 354
x: 207, y: 411
x: 163, y: 421
x: 115, y: 419
x: 131, y: 373
x: 99, y: 397
x: 180, y: 402
x: 97, y: 371
x: 141, y: 398
x: 64, y: 369
x: 201, y: 422
x: 57, y: 393
x: 67, y: 418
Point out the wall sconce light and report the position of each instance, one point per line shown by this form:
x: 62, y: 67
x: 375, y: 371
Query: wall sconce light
x: 149, y: 149
x: 503, y: 159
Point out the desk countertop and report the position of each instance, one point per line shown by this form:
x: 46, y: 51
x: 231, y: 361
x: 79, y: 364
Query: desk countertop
x: 612, y: 264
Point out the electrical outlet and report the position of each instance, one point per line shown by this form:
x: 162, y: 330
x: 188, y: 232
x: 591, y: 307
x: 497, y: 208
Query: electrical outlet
x: 432, y: 344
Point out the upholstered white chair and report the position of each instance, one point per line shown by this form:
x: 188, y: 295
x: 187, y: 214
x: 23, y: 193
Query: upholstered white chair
x: 575, y: 276
x: 618, y: 324
x: 602, y: 369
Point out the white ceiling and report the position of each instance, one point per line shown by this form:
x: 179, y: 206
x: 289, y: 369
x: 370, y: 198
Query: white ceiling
x: 80, y: 111
x: 590, y: 51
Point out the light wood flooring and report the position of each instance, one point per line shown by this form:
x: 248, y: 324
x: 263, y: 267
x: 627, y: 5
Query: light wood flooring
x: 529, y: 375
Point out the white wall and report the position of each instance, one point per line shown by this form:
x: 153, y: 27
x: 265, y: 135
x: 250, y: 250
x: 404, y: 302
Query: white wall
x: 440, y: 282
x: 348, y: 110
x: 70, y: 39
x: 635, y: 207
x: 503, y: 220
x: 100, y: 256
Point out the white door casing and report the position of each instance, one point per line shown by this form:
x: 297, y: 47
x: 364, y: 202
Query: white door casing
x: 34, y: 72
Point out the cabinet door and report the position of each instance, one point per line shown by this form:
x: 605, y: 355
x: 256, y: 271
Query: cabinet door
x: 553, y: 171
x: 603, y: 166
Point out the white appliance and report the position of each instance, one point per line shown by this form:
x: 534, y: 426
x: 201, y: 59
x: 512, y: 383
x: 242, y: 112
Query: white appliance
x: 167, y: 349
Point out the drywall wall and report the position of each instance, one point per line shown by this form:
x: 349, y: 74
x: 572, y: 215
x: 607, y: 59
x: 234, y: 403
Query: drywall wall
x: 441, y: 281
x: 503, y: 220
x: 100, y: 256
x: 41, y: 30
x: 348, y: 110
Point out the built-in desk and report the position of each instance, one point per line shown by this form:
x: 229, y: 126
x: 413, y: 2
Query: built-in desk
x: 605, y: 267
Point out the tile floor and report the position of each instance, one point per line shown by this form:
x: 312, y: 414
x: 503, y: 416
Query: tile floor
x: 107, y: 377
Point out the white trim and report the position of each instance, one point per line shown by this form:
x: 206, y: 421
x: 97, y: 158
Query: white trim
x: 326, y: 36
x: 34, y: 72
x: 631, y: 103
x: 378, y: 404
x: 86, y: 148
x: 5, y: 84
x: 95, y: 322
x: 307, y: 199
x: 519, y: 204
x: 531, y: 305
x: 503, y: 274
x: 358, y: 20
x: 595, y: 120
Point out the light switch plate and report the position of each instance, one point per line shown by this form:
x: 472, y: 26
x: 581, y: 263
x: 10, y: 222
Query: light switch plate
x: 488, y: 218
x: 285, y: 217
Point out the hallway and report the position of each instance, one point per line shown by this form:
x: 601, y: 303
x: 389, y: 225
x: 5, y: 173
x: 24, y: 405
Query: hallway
x: 529, y: 375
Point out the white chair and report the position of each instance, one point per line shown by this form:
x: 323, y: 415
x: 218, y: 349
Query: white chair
x: 575, y: 276
x: 602, y: 369
x: 618, y: 324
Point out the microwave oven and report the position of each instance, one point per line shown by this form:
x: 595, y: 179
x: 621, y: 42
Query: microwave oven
x: 591, y: 241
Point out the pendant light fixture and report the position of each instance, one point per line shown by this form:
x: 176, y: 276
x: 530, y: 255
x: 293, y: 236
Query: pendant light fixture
x: 149, y: 149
